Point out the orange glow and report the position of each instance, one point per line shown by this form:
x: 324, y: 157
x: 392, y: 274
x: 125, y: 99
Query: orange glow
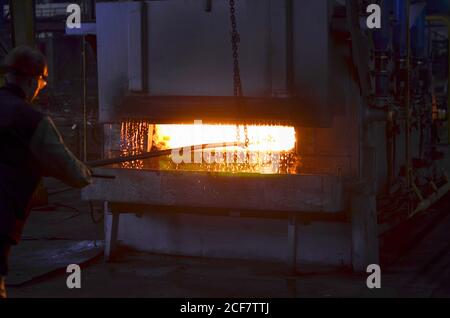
x: 133, y: 141
x: 264, y: 148
x: 260, y: 137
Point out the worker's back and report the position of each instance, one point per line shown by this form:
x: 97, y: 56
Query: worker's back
x: 19, y: 173
x: 30, y: 147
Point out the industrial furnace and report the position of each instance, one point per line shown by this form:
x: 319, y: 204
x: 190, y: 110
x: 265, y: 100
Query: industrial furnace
x: 327, y: 133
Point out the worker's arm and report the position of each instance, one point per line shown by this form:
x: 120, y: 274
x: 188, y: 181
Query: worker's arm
x: 55, y: 158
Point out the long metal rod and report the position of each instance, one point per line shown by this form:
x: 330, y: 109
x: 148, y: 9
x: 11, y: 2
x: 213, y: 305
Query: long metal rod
x: 446, y: 20
x: 408, y: 97
x: 290, y: 47
x: 23, y: 22
x: 84, y: 100
x: 159, y: 153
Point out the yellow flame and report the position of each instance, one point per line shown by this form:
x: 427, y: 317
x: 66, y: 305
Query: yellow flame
x: 261, y: 138
x: 264, y: 148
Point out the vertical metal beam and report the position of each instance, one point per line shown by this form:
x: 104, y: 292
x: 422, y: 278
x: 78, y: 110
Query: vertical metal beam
x: 282, y: 47
x: 111, y: 228
x: 92, y: 10
x: 83, y: 53
x: 23, y: 22
x: 278, y: 69
x: 2, y: 25
x: 408, y: 97
x: 208, y: 5
x: 446, y: 20
x: 365, y: 244
x: 145, y: 49
x: 3, y: 49
x: 292, y: 244
x: 138, y: 48
x: 290, y: 46
x: 49, y: 52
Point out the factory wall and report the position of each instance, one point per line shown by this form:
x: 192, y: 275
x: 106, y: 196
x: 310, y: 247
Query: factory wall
x: 188, y: 52
x: 176, y: 48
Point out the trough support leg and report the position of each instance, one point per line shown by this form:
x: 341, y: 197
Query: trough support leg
x: 292, y: 244
x: 365, y: 245
x: 111, y: 229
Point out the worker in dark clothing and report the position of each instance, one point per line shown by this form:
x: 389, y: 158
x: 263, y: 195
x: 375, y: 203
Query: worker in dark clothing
x: 30, y: 147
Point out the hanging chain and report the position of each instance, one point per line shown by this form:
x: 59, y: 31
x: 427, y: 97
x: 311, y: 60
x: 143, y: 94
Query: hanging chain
x: 247, y: 140
x: 237, y: 85
x: 235, y: 39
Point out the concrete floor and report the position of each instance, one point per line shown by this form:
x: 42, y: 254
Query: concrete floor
x: 423, y: 270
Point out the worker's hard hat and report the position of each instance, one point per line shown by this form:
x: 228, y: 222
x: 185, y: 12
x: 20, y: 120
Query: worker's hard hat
x: 25, y: 61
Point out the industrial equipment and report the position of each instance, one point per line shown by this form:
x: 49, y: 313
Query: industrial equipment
x: 341, y: 131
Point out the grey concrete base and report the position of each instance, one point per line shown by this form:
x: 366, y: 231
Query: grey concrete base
x: 235, y: 238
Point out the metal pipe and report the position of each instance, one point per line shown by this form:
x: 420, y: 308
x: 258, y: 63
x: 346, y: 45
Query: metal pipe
x: 23, y: 22
x: 159, y: 153
x: 446, y: 20
x: 408, y: 97
x: 208, y: 6
x: 289, y: 47
x: 92, y: 10
x: 145, y: 47
x: 390, y: 151
x: 84, y: 99
x: 381, y: 39
x: 399, y: 35
x: 2, y: 27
